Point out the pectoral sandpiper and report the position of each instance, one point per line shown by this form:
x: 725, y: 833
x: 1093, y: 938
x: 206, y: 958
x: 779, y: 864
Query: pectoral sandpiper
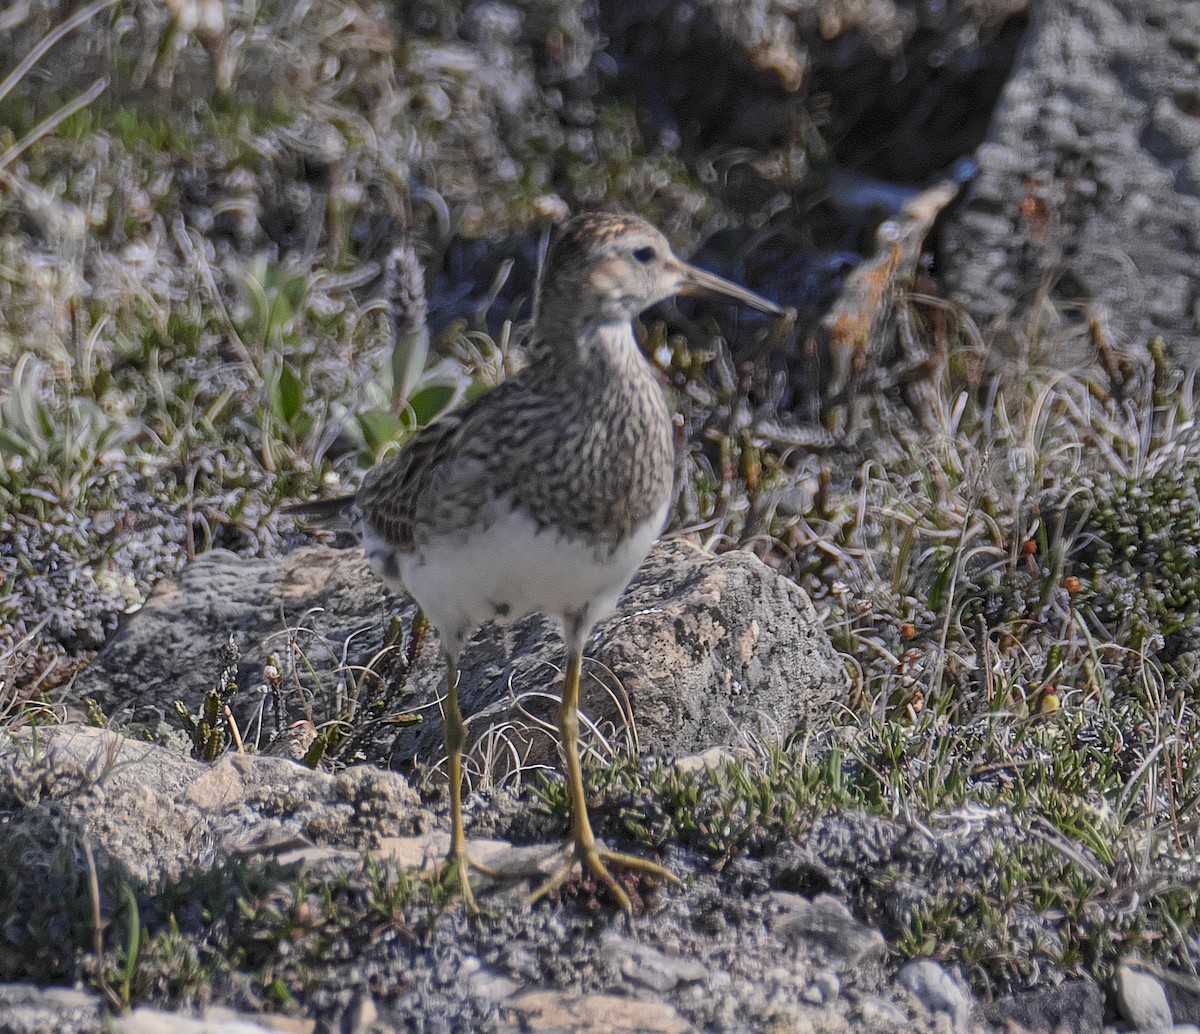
x: 544, y: 494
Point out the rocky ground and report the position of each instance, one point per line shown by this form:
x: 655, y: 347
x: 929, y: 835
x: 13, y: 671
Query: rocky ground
x: 759, y: 943
x: 907, y: 699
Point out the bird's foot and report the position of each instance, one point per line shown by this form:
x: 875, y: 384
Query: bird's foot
x: 453, y: 870
x: 595, y: 858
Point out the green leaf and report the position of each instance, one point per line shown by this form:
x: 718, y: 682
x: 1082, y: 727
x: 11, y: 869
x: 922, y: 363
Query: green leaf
x: 379, y: 427
x: 292, y: 292
x: 475, y: 389
x: 429, y: 402
x: 288, y: 395
x: 15, y: 444
x: 133, y: 944
x: 941, y: 583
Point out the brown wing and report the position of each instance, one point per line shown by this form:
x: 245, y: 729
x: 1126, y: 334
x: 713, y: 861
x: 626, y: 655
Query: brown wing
x: 447, y: 475
x: 391, y: 492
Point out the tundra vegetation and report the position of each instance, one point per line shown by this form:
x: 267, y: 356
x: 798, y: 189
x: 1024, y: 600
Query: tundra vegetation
x: 197, y: 206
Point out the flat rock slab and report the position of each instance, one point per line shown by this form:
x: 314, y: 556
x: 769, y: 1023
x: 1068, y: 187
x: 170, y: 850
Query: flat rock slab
x: 592, y: 1014
x: 154, y: 815
x: 704, y: 651
x: 29, y: 1009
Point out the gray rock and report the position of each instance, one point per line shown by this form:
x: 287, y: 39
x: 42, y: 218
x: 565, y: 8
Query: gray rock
x: 1183, y: 993
x: 491, y: 986
x: 29, y: 1009
x: 878, y: 1014
x: 826, y: 923
x: 1089, y: 175
x: 714, y: 649
x: 937, y: 990
x: 644, y: 965
x: 825, y: 987
x: 551, y: 1012
x: 154, y: 814
x: 155, y: 1021
x: 312, y: 601
x: 707, y: 651
x: 361, y: 1016
x: 272, y: 1022
x: 1141, y: 998
x: 1074, y: 1006
x: 712, y: 758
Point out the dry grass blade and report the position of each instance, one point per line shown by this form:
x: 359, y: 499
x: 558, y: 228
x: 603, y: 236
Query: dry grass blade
x: 39, y: 51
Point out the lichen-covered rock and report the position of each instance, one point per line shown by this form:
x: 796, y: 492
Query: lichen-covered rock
x: 705, y: 651
x: 171, y: 648
x: 713, y: 651
x: 153, y: 814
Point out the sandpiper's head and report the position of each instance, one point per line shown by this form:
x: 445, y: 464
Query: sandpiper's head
x: 609, y: 268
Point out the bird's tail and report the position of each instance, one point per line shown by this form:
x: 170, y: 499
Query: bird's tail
x: 337, y: 513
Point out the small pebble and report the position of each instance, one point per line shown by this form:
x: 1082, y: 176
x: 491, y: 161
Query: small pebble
x: 825, y: 988
x: 937, y: 990
x: 1141, y: 999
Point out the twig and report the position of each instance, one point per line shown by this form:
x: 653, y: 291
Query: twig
x: 98, y: 928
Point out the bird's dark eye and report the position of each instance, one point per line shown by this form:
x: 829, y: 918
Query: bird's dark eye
x: 645, y: 255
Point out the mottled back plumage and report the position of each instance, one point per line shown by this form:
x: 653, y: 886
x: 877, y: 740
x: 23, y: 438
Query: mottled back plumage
x: 580, y: 439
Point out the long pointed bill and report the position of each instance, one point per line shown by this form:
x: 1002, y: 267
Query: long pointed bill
x: 700, y: 282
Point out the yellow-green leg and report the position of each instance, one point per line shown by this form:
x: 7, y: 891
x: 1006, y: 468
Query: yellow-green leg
x: 458, y: 859
x: 585, y: 850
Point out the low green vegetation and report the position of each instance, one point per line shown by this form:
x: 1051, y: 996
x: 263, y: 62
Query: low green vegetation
x: 283, y: 930
x: 1007, y: 567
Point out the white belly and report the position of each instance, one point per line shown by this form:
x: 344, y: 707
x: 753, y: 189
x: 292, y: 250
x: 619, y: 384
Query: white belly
x: 513, y: 569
